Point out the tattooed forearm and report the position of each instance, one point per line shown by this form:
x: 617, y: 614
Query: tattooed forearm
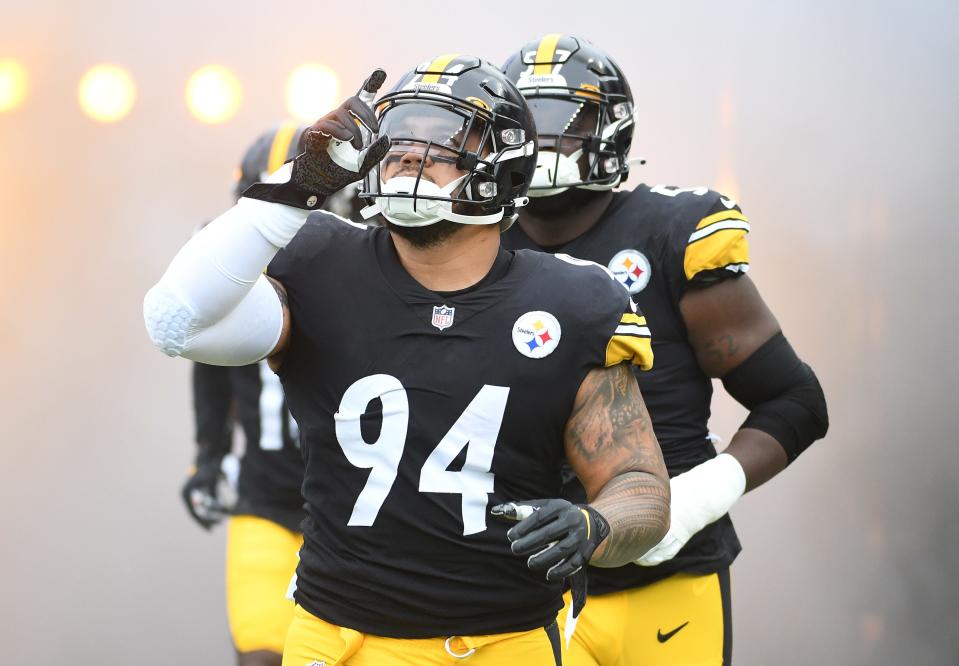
x: 636, y: 505
x: 607, y: 406
x: 611, y: 446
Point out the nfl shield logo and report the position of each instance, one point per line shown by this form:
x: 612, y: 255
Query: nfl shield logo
x: 443, y: 316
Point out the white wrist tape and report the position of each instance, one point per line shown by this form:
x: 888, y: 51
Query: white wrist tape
x: 213, y: 305
x: 698, y: 498
x: 705, y: 493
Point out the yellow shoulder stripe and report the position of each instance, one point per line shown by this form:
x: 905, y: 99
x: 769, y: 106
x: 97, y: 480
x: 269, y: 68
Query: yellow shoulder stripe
x: 280, y: 147
x: 545, y: 53
x: 722, y: 249
x: 720, y: 216
x: 630, y: 318
x: 636, y: 350
x: 438, y: 66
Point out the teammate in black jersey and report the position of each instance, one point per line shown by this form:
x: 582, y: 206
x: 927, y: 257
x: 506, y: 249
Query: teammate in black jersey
x: 436, y: 378
x: 264, y: 530
x: 683, y: 255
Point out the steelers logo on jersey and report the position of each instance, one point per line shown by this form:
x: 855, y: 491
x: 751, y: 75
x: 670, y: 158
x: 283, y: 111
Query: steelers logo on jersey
x: 536, y: 334
x: 631, y: 268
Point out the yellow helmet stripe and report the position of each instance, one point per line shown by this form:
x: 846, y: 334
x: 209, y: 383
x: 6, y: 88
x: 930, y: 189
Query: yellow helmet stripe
x: 280, y: 147
x: 439, y: 66
x: 545, y: 53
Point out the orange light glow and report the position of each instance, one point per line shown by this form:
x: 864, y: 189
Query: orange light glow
x: 107, y: 93
x: 13, y: 84
x: 726, y: 182
x: 213, y: 94
x: 312, y: 90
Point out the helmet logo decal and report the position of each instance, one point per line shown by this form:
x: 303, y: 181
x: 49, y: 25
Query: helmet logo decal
x: 631, y: 269
x: 440, y: 79
x: 589, y: 91
x: 536, y: 334
x: 476, y: 101
x: 543, y: 75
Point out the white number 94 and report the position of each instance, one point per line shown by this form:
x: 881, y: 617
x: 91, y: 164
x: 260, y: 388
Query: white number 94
x: 476, y: 429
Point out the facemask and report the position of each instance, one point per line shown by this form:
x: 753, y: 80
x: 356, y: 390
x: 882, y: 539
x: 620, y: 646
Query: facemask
x: 420, y: 212
x: 554, y: 176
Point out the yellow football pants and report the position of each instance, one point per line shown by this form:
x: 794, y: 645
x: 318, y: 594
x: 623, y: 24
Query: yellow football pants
x: 261, y: 557
x: 682, y: 620
x: 314, y: 642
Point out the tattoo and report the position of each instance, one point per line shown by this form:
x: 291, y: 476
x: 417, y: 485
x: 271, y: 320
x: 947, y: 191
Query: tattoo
x: 722, y: 348
x: 275, y: 359
x: 636, y: 505
x: 612, y: 448
x: 612, y: 405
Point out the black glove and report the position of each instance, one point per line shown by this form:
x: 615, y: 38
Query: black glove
x: 558, y: 536
x: 339, y: 136
x: 200, y: 493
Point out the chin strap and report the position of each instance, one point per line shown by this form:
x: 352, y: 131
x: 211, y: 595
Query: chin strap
x: 444, y: 211
x: 413, y: 210
x: 566, y: 165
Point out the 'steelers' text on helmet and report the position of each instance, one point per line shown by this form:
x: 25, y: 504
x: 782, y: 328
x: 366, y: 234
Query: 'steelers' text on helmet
x: 462, y: 111
x: 583, y: 109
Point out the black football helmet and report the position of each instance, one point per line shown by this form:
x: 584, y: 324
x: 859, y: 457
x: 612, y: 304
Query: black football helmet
x: 267, y: 154
x: 277, y: 146
x: 583, y: 109
x: 461, y: 111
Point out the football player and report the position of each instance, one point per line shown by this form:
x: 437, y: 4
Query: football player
x: 439, y: 382
x: 682, y: 253
x: 263, y: 534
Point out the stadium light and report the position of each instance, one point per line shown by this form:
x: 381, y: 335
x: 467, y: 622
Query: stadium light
x: 13, y: 84
x: 312, y: 90
x: 213, y: 94
x: 106, y: 93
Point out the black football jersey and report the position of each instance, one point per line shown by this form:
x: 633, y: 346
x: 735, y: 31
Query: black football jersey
x: 658, y: 242
x: 418, y: 411
x: 271, y: 470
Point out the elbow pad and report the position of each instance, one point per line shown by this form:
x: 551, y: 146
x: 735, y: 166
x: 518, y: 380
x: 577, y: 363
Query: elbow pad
x: 783, y: 396
x: 213, y: 305
x: 246, y: 335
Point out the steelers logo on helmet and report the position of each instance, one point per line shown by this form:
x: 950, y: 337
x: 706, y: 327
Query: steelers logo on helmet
x: 631, y: 268
x: 536, y: 334
x: 583, y: 109
x: 463, y: 146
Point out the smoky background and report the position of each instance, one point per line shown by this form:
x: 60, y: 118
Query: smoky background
x: 833, y: 123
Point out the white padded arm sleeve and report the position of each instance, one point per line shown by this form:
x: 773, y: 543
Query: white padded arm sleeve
x: 213, y: 304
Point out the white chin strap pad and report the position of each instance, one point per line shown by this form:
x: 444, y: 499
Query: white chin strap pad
x: 554, y: 176
x: 419, y: 212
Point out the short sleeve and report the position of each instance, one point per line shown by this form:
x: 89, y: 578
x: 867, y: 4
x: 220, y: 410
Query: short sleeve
x: 718, y: 246
x: 631, y: 340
